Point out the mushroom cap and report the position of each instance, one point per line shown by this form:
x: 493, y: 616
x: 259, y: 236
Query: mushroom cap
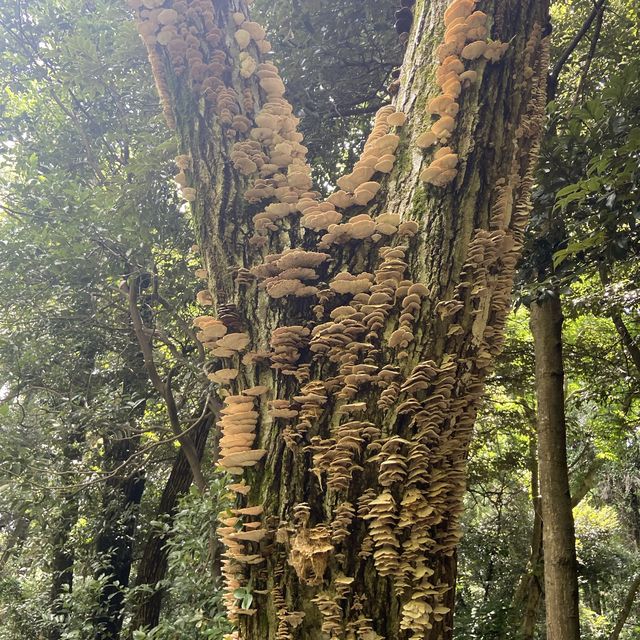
x: 389, y: 218
x: 235, y: 341
x: 256, y: 391
x: 256, y: 31
x: 204, y: 298
x: 243, y: 459
x: 458, y: 9
x: 426, y: 139
x: 474, y: 50
x: 353, y: 284
x: 223, y: 376
x: 340, y: 199
x: 440, y: 104
x: 443, y: 127
x: 212, y: 331
x: 243, y: 38
x: 396, y: 119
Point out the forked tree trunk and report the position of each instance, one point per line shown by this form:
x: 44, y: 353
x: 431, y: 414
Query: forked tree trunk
x: 361, y: 466
x: 560, y: 565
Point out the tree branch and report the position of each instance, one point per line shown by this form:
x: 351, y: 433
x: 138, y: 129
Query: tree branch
x: 586, y: 483
x: 552, y: 84
x: 629, y: 342
x: 163, y: 388
x: 626, y: 608
x: 595, y: 38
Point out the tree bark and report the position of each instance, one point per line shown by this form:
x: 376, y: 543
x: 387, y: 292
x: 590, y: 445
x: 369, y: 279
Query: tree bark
x: 352, y: 549
x: 62, y: 561
x: 17, y: 535
x: 530, y: 591
x: 560, y: 565
x: 153, y: 564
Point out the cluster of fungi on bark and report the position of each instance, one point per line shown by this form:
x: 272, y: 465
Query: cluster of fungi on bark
x: 465, y: 38
x: 381, y: 433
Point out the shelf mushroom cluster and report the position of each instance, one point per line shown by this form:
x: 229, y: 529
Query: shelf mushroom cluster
x: 338, y: 456
x: 188, y: 32
x: 465, y: 38
x: 362, y: 320
x: 238, y: 530
x: 289, y: 273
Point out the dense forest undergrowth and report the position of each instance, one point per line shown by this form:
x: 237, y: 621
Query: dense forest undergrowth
x: 112, y: 493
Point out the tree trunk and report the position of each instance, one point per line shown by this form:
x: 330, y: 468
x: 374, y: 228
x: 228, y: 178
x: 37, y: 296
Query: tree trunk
x: 560, y: 565
x: 153, y: 564
x: 526, y: 601
x: 530, y: 591
x: 121, y: 498
x: 114, y: 546
x: 17, y: 535
x: 62, y: 562
x: 360, y: 465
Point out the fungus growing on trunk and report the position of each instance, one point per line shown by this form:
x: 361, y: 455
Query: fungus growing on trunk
x: 385, y: 422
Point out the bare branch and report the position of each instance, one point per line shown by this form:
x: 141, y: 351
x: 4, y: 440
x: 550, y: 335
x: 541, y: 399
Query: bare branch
x: 566, y: 54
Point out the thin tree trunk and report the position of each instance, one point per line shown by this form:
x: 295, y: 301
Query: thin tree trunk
x: 350, y: 547
x: 114, y: 546
x: 62, y: 562
x: 526, y: 601
x: 121, y: 499
x: 153, y: 564
x: 529, y: 594
x: 627, y: 605
x: 560, y: 565
x: 631, y: 344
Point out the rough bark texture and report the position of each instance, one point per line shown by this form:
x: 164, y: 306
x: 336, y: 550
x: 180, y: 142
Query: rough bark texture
x: 560, y: 565
x: 361, y: 467
x: 153, y: 564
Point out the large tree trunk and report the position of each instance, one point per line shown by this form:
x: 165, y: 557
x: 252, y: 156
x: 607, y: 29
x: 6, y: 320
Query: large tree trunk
x: 360, y: 467
x: 560, y: 565
x: 153, y: 564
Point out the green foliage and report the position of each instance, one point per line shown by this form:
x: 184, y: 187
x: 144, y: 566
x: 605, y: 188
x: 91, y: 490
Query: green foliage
x: 194, y: 609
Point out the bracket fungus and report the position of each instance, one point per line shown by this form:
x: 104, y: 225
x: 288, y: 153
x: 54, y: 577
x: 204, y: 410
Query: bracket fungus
x: 349, y: 367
